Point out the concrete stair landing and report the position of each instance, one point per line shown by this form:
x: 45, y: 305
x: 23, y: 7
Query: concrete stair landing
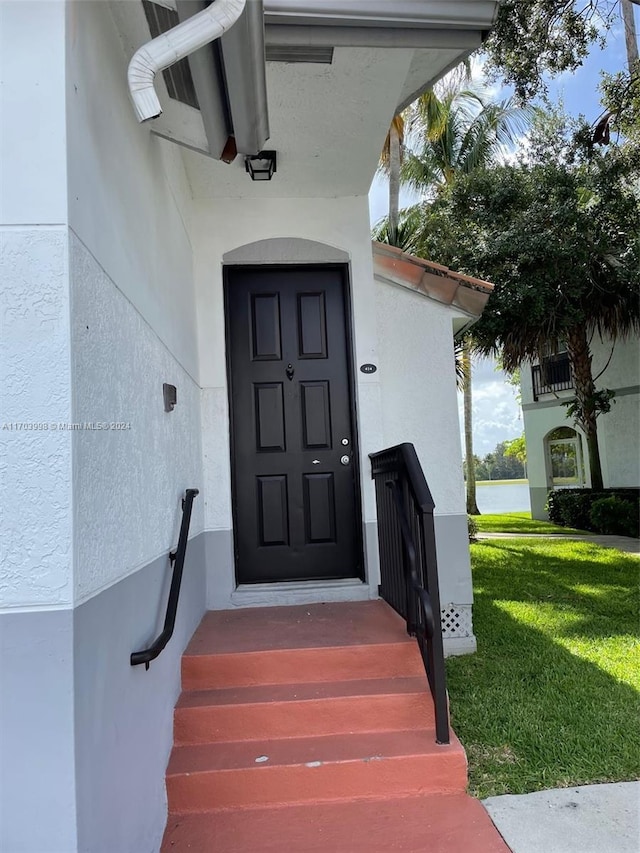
x: 311, y: 728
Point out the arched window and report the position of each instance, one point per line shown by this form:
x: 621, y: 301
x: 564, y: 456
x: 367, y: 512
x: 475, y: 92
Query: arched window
x: 563, y: 448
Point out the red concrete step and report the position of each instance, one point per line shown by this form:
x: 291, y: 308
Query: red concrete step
x: 286, y: 645
x: 298, y: 710
x: 426, y: 824
x: 313, y: 769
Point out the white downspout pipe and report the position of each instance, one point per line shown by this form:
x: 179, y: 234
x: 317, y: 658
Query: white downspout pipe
x: 174, y: 45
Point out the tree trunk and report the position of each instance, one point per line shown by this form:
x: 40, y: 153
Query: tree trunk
x: 630, y: 38
x: 472, y: 506
x: 580, y: 360
x: 394, y: 182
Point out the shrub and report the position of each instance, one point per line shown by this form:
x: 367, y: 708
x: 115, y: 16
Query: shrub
x: 613, y: 515
x: 570, y: 508
x: 573, y: 508
x: 473, y: 528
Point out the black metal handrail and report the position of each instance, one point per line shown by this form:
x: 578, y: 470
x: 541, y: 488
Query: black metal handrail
x: 408, y: 564
x: 177, y: 560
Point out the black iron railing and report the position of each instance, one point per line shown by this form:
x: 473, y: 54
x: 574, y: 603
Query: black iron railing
x: 554, y: 374
x: 177, y: 560
x: 408, y: 565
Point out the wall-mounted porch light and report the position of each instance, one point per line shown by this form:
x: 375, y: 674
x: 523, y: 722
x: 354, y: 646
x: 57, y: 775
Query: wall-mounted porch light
x: 261, y: 166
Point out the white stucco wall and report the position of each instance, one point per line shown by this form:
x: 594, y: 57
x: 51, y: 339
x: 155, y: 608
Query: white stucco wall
x: 417, y: 377
x: 127, y: 481
x: 35, y: 456
x: 33, y: 188
x: 617, y: 431
x: 128, y: 195
x: 35, y: 463
x: 133, y: 317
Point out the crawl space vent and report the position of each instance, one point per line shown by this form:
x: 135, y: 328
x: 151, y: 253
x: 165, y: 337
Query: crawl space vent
x: 299, y: 53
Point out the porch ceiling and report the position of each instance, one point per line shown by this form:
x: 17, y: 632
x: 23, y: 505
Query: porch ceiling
x: 327, y: 122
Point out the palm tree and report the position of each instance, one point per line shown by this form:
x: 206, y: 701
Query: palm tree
x: 390, y: 165
x: 455, y: 131
x: 472, y: 503
x: 458, y: 132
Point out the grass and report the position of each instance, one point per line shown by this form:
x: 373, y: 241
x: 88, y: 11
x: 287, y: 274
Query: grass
x: 552, y: 697
x: 518, y: 522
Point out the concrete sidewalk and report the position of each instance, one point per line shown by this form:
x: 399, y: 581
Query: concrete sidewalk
x: 588, y: 819
x: 620, y: 543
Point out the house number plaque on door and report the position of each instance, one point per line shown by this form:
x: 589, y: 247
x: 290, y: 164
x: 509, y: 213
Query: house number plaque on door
x: 368, y: 368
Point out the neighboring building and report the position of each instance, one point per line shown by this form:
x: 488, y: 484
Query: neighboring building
x: 133, y: 257
x: 556, y: 449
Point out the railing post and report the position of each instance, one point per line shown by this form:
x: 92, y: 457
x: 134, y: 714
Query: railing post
x: 408, y: 563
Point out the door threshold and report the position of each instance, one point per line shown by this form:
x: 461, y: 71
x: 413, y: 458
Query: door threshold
x: 301, y: 592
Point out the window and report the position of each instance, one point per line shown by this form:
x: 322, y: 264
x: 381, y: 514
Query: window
x: 564, y: 457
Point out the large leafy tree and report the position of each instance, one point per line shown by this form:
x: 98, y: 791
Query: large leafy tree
x: 452, y: 131
x: 533, y: 40
x: 560, y: 239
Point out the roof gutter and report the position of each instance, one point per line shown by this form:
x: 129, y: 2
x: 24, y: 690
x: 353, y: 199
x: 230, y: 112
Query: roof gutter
x: 459, y: 14
x: 170, y: 47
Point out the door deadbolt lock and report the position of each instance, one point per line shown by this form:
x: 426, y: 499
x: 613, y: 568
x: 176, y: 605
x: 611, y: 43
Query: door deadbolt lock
x: 345, y: 459
x: 345, y: 441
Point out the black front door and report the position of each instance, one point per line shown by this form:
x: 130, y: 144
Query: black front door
x: 293, y: 462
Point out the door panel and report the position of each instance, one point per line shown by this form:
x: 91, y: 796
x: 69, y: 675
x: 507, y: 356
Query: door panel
x: 295, y: 503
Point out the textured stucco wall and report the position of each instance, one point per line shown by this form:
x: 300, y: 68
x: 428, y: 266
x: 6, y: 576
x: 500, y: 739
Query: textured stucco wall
x: 133, y: 315
x: 128, y: 195
x: 35, y: 396
x: 127, y: 482
x: 35, y: 463
x: 419, y: 405
x: 417, y: 375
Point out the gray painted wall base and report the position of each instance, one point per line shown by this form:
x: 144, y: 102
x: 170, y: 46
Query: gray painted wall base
x: 538, y: 497
x: 84, y: 736
x: 454, y: 566
x: 459, y: 646
x: 37, y: 773
x: 124, y: 714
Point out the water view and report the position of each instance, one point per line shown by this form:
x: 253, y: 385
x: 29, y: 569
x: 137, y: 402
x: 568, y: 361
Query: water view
x: 510, y: 497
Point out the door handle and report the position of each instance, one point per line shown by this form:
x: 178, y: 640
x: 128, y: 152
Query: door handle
x: 345, y: 460
x: 290, y: 372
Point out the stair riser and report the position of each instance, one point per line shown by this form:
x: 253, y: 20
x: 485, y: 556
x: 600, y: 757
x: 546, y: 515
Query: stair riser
x: 349, y: 780
x: 203, y: 672
x: 309, y: 718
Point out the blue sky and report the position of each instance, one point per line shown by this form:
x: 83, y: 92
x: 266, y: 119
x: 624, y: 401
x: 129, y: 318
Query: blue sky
x: 496, y: 412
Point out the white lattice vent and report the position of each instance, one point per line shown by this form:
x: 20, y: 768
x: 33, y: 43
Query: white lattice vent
x: 456, y: 620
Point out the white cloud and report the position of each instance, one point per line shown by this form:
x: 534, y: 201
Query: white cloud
x: 496, y: 412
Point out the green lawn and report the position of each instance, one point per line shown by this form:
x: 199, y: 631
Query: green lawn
x: 552, y: 697
x: 518, y: 522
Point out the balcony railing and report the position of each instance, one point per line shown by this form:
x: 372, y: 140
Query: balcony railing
x: 554, y: 374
